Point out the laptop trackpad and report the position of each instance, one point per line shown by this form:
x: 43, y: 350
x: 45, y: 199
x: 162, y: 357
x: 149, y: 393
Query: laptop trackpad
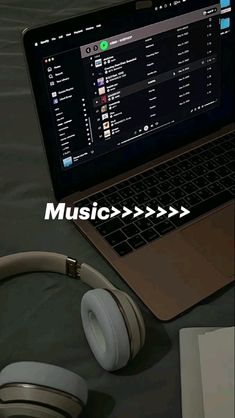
x: 213, y: 237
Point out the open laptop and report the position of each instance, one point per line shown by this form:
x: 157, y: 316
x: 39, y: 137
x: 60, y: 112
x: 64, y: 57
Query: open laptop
x: 136, y: 107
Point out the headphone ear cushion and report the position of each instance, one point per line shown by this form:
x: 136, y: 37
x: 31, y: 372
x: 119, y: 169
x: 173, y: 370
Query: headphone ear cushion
x: 45, y: 375
x: 105, y: 329
x: 140, y: 320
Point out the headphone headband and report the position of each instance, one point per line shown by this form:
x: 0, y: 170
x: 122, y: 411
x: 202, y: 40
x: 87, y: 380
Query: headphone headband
x: 30, y: 262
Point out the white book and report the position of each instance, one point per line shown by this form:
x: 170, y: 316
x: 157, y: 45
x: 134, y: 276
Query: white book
x: 217, y: 372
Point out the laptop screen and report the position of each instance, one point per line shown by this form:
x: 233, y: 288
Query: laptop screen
x: 121, y: 86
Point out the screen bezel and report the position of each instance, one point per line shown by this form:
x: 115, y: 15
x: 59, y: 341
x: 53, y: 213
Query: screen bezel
x: 114, y: 163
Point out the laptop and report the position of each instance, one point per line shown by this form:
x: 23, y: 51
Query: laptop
x: 136, y: 108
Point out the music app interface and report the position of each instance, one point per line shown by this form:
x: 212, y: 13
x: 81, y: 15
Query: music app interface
x: 153, y: 77
x: 134, y: 83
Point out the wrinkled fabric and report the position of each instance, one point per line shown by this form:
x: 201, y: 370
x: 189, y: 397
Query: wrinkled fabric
x: 40, y: 314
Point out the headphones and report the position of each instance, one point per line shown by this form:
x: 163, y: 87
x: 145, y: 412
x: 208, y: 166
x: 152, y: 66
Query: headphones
x: 114, y: 328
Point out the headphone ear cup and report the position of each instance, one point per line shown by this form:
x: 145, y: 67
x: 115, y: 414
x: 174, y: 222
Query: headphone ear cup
x: 133, y: 319
x: 139, y: 318
x: 21, y: 409
x: 47, y: 385
x: 105, y: 329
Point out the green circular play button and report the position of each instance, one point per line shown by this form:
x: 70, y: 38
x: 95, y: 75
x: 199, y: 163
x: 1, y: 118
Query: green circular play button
x: 104, y: 45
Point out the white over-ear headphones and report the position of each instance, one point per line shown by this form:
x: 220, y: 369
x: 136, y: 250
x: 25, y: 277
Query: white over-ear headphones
x: 114, y: 328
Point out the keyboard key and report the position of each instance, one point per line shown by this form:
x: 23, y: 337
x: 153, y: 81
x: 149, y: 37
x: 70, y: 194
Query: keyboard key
x: 231, y: 166
x: 174, y: 171
x: 136, y: 242
x: 143, y: 224
x: 109, y: 191
x: 230, y: 155
x: 151, y: 181
x: 192, y: 200
x: 227, y: 146
x: 113, y: 198
x: 200, y: 170
x: 210, y: 165
x: 96, y: 197
x: 135, y: 179
x: 150, y: 235
x: 179, y: 180
x: 209, y: 145
x: 129, y: 203
x: 164, y: 227
x: 204, y: 194
x: 154, y: 203
x: 185, y: 165
x: 119, y: 206
x: 162, y: 167
x: 219, y: 141
x: 123, y: 249
x: 216, y: 188
x: 115, y: 238
x: 109, y: 227
x: 165, y: 199
x: 189, y: 176
x: 197, y: 151
x: 227, y: 182
x: 139, y: 187
x: 162, y: 175
x: 201, y: 182
x: 123, y: 184
x: 126, y: 193
x: 177, y: 194
x: 128, y: 220
x: 102, y: 202
x: 131, y: 230
x: 166, y: 186
x: 173, y: 162
x: 153, y: 192
x: 221, y: 160
x: 141, y: 198
x: 204, y: 207
x: 189, y: 188
x: 212, y: 176
x: 147, y: 173
x: 223, y: 171
x: 186, y: 156
x: 217, y: 151
x: 196, y: 160
x: 207, y: 155
x: 96, y: 222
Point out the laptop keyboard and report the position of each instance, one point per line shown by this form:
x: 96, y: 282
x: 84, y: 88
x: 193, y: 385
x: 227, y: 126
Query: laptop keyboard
x: 200, y: 180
